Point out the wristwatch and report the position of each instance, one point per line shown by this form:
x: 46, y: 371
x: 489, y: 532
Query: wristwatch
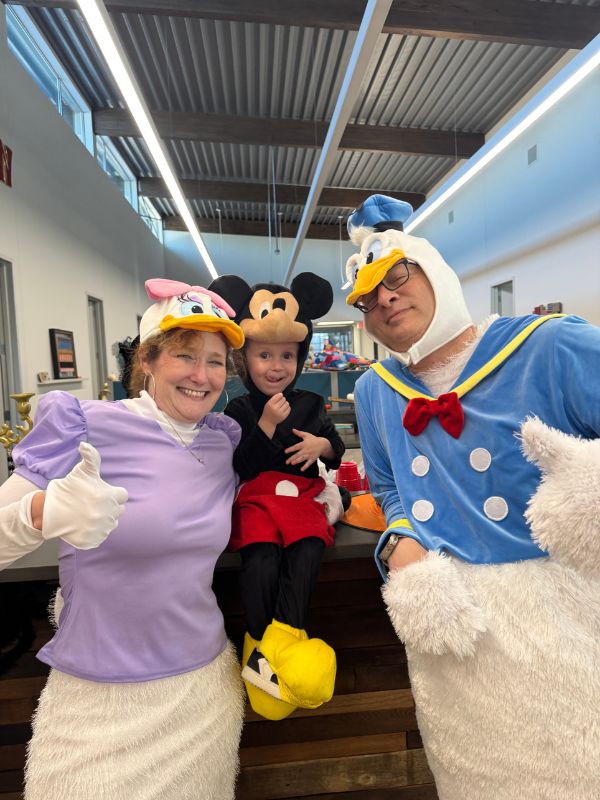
x: 389, y: 547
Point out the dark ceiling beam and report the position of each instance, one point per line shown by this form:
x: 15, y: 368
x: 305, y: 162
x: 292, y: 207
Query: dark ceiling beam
x: 519, y: 21
x: 286, y: 194
x: 291, y: 133
x: 251, y: 228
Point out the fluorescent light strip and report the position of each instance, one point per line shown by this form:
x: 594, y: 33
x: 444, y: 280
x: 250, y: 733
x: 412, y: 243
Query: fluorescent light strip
x: 337, y: 322
x: 102, y: 29
x: 552, y: 99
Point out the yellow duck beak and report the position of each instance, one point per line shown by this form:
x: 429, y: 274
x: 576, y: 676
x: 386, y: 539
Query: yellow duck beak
x: 371, y: 275
x: 207, y: 322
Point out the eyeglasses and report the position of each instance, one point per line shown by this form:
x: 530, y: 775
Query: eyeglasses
x: 394, y: 278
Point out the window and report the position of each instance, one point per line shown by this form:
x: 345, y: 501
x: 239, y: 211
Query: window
x: 34, y: 55
x: 502, y: 299
x: 117, y: 170
x: 340, y: 336
x: 150, y: 216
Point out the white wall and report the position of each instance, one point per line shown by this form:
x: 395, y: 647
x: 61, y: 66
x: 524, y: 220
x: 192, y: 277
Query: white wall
x: 251, y: 259
x: 565, y: 269
x: 66, y: 230
x: 537, y: 224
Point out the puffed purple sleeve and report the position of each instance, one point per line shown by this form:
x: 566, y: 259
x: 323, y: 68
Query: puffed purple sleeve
x: 221, y: 422
x: 51, y: 449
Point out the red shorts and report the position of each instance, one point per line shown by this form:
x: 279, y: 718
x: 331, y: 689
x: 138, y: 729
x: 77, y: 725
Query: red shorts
x: 280, y: 508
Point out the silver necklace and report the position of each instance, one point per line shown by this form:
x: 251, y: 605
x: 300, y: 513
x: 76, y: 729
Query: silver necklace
x: 199, y: 459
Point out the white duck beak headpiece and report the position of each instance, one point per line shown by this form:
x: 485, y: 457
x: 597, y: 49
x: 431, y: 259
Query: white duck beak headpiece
x: 378, y: 253
x: 179, y: 305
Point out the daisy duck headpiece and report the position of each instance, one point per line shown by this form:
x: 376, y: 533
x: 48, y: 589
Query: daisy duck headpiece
x: 179, y: 305
x: 377, y: 228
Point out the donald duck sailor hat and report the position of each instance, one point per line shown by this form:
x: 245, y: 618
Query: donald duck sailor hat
x: 379, y: 213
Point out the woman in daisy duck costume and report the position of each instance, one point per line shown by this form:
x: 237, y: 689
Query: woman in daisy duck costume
x: 144, y: 696
x: 284, y: 513
x: 492, y: 578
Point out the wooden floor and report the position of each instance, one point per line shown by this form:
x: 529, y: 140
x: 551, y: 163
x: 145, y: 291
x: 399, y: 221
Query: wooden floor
x: 363, y: 745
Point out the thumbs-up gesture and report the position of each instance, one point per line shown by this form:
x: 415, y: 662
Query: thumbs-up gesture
x: 82, y: 508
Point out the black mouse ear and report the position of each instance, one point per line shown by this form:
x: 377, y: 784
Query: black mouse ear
x: 313, y: 293
x: 234, y: 290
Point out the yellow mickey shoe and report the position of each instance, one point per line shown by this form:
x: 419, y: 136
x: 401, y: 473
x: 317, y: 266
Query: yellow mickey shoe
x: 264, y: 704
x: 304, y: 668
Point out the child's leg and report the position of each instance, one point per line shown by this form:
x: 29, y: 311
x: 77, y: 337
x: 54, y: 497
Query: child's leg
x: 303, y: 668
x: 259, y: 584
x: 298, y: 575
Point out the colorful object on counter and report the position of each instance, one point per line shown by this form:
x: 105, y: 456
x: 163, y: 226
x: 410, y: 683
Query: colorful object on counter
x: 348, y: 476
x: 364, y: 513
x: 334, y: 359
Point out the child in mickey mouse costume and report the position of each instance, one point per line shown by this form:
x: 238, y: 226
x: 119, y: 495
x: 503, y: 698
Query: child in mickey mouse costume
x: 284, y: 513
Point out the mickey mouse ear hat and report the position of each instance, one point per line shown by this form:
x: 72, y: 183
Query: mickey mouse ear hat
x: 179, y: 305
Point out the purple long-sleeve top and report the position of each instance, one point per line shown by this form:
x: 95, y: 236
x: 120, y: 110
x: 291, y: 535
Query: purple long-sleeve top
x: 140, y: 606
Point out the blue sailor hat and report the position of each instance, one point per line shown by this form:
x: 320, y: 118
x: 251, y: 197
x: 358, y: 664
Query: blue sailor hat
x: 380, y: 213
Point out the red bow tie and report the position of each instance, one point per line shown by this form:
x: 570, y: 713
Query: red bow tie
x: 446, y: 408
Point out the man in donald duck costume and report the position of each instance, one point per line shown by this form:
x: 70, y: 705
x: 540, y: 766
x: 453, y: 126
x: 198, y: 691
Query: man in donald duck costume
x: 492, y: 576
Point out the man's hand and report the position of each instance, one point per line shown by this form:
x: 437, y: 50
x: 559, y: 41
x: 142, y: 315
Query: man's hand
x: 82, y: 508
x: 308, y: 449
x: 406, y: 552
x: 275, y: 411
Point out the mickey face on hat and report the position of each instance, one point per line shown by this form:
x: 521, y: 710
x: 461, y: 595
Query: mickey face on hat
x: 273, y: 313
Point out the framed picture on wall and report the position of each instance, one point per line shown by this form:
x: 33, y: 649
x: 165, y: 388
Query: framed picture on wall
x: 62, y: 347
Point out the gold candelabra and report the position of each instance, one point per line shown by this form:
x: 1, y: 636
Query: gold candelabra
x: 8, y: 437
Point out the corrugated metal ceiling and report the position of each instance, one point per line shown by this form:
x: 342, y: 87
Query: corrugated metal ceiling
x: 276, y: 71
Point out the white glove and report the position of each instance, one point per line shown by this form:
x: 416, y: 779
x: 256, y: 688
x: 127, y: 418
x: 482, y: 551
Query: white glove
x: 81, y: 508
x: 331, y: 499
x: 431, y: 609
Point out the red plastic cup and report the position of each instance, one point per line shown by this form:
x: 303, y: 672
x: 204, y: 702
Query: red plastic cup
x: 365, y: 484
x: 348, y: 476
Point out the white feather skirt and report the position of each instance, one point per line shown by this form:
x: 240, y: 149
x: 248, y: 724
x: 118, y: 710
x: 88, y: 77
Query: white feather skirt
x: 520, y: 720
x: 170, y: 739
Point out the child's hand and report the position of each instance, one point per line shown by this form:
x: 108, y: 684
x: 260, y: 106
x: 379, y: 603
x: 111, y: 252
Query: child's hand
x: 275, y: 410
x: 308, y: 449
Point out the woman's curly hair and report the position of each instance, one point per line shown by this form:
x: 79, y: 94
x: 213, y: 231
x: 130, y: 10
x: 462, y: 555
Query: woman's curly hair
x: 150, y: 349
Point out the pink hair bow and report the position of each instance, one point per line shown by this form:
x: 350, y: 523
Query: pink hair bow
x: 161, y: 288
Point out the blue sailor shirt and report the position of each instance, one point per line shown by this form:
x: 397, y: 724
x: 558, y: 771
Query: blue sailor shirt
x: 467, y: 496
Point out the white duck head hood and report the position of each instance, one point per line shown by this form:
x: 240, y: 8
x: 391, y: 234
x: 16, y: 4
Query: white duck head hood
x: 378, y: 253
